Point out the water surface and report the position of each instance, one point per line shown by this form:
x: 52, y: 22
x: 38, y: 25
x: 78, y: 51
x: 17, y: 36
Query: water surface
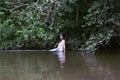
x: 41, y: 65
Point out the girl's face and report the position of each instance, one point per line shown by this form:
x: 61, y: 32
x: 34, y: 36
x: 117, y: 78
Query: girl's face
x: 61, y: 37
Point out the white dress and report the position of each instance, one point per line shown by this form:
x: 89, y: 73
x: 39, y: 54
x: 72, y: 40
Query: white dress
x: 60, y: 46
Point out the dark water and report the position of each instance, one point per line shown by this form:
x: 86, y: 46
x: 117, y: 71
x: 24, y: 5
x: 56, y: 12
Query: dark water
x: 36, y: 65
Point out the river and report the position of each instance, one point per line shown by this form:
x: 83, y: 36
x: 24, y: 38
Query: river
x: 41, y: 65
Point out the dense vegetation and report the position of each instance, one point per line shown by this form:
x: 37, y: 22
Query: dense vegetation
x: 36, y: 24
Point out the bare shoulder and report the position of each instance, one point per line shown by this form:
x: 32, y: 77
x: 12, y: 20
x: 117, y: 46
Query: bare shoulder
x: 63, y: 41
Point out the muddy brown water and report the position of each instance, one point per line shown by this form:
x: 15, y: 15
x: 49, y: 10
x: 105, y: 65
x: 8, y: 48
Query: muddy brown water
x: 41, y: 65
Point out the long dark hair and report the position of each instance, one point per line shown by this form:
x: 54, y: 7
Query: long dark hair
x: 60, y: 37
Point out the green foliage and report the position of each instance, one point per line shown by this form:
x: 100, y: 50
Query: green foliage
x: 25, y: 28
x: 95, y: 40
x: 1, y: 13
x: 86, y: 24
x: 99, y: 23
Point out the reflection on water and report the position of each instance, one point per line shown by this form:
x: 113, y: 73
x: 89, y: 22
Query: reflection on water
x: 96, y: 67
x: 61, y: 58
x: 47, y: 66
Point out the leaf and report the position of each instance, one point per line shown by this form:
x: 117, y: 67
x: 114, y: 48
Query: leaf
x: 1, y: 13
x: 26, y: 37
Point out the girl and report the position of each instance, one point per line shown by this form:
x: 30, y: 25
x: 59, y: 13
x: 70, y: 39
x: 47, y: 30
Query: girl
x: 61, y: 45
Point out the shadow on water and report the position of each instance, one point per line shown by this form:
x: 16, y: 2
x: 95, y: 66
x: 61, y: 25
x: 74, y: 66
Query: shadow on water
x: 41, y: 65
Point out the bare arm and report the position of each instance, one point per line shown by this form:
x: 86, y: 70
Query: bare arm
x: 64, y: 47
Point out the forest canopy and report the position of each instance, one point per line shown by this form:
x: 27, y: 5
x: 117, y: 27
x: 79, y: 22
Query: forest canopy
x: 36, y: 24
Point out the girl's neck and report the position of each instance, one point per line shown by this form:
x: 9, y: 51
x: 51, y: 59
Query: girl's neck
x: 61, y: 40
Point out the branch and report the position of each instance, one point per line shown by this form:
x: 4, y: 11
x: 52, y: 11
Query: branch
x: 51, y: 12
x: 77, y: 15
x: 37, y: 1
x: 17, y: 7
x: 40, y: 8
